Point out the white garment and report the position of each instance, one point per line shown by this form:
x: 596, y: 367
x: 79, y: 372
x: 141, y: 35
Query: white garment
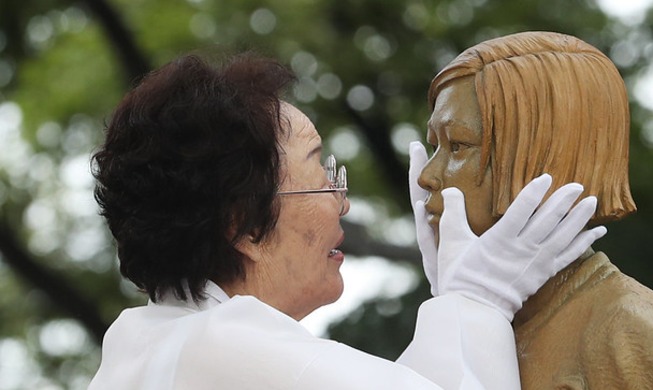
x: 242, y: 343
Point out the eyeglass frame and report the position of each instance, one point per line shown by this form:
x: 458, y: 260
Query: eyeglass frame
x: 339, y: 181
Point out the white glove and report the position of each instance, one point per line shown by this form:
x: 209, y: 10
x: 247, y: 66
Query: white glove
x: 514, y: 258
x: 426, y: 236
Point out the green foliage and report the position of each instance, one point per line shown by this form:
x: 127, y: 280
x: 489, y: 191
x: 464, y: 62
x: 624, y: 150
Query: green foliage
x: 364, y: 68
x: 382, y: 327
x: 52, y: 86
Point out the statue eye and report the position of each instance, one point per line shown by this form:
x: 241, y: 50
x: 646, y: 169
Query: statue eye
x: 458, y: 146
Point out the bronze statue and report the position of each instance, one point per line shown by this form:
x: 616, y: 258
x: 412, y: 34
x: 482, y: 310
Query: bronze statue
x: 506, y: 111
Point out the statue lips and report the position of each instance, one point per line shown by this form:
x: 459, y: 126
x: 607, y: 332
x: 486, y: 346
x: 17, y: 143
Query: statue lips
x: 434, y: 207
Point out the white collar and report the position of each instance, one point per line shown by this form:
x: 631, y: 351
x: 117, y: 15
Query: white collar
x: 214, y: 296
x: 215, y: 293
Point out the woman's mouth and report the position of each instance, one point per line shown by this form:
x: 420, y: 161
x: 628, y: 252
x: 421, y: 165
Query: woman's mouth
x: 335, y: 253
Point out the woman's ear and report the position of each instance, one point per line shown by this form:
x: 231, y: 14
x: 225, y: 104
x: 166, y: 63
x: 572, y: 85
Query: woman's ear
x: 248, y: 247
x: 244, y: 244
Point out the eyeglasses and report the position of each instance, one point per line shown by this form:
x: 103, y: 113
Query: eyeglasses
x: 338, y: 183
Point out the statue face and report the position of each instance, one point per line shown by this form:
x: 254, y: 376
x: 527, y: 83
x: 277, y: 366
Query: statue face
x: 455, y: 131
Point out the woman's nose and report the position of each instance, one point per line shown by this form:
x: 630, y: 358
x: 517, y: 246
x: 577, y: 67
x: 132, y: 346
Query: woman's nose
x: 429, y: 178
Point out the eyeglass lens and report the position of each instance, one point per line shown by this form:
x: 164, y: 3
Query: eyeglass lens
x: 338, y: 180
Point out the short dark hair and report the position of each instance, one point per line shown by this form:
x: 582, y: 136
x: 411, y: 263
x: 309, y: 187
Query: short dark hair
x: 190, y: 166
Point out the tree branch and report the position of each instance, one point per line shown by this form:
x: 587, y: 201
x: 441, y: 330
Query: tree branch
x: 134, y: 61
x: 72, y: 301
x: 54, y: 285
x: 359, y: 243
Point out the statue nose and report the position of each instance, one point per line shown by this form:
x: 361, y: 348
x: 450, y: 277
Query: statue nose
x: 429, y: 179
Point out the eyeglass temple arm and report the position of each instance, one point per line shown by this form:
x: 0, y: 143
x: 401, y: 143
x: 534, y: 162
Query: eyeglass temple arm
x: 325, y: 190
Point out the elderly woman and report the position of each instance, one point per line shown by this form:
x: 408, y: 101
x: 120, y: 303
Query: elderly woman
x: 222, y: 212
x: 504, y: 112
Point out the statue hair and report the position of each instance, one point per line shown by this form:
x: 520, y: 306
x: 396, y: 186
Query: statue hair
x: 550, y: 103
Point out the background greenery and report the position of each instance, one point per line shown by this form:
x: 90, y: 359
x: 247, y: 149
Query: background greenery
x: 364, y: 68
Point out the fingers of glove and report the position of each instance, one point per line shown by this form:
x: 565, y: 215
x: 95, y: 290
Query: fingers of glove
x: 560, y: 248
x: 521, y: 209
x: 579, y: 245
x: 453, y: 223
x: 426, y: 236
x: 418, y: 155
x: 570, y: 226
x: 547, y: 217
x: 418, y: 159
x: 426, y: 241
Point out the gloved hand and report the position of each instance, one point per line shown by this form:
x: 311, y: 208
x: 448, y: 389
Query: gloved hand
x: 510, y: 261
x: 426, y: 236
x: 514, y: 258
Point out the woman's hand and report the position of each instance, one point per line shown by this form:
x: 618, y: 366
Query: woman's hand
x: 426, y: 236
x: 513, y: 259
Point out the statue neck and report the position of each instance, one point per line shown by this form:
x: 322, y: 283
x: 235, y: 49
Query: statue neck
x: 557, y: 289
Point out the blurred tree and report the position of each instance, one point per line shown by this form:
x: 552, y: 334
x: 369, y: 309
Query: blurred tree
x: 364, y: 67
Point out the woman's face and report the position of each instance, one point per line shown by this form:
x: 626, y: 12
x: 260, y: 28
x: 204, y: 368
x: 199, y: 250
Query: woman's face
x: 298, y: 265
x: 455, y: 131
